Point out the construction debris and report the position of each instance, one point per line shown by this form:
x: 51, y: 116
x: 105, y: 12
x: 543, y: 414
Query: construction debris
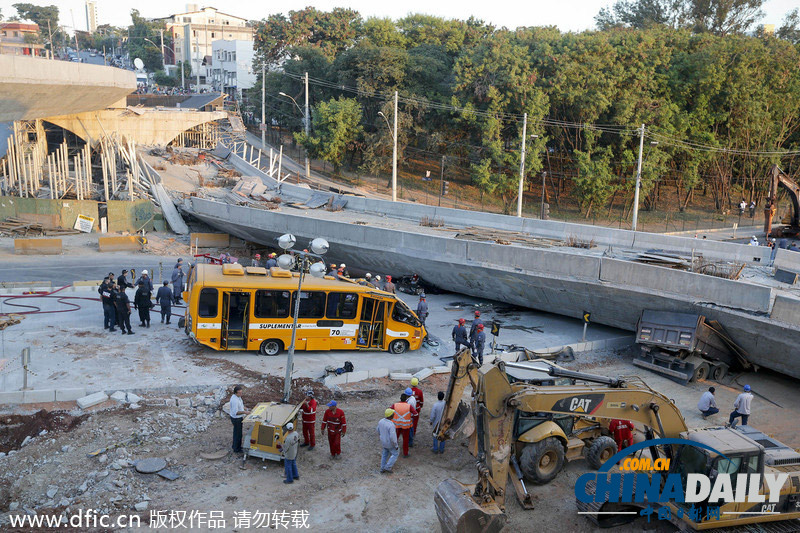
x: 10, y: 320
x: 18, y: 227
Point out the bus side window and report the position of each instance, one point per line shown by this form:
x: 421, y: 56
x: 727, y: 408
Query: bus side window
x: 272, y: 304
x: 207, y: 303
x: 312, y: 304
x: 342, y: 305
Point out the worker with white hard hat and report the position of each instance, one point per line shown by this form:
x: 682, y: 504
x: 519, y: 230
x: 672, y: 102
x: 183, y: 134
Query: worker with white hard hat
x: 291, y: 443
x: 145, y: 280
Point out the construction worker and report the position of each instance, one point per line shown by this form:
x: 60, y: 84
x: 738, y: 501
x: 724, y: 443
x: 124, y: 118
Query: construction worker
x: 123, y: 305
x: 334, y: 421
x: 142, y: 303
x: 402, y: 420
x: 309, y: 410
x: 474, y: 328
x: 389, y: 286
x: 164, y: 299
x: 290, y: 442
x: 145, y: 278
x: 377, y: 283
x: 272, y: 261
x: 422, y: 308
x: 708, y: 404
x: 419, y: 400
x: 388, y: 435
x: 334, y: 271
x: 177, y: 281
x: 436, y: 419
x: 460, y: 335
x: 622, y: 431
x: 741, y: 407
x: 343, y: 270
x: 368, y: 279
x: 256, y: 261
x: 237, y: 412
x: 478, y: 343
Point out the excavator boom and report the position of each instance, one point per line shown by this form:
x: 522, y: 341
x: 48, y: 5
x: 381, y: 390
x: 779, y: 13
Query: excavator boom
x: 778, y: 177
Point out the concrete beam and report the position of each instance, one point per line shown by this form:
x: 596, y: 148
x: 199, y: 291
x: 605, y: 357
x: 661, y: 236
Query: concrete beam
x: 37, y: 246
x: 120, y: 244
x: 33, y: 87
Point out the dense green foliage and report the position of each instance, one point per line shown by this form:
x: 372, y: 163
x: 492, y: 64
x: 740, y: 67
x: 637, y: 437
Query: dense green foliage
x: 690, y: 76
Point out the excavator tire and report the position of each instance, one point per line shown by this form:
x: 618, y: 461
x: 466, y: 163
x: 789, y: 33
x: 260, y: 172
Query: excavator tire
x: 542, y: 461
x: 599, y: 451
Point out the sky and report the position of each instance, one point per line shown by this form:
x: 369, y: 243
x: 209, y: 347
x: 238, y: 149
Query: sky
x: 567, y: 15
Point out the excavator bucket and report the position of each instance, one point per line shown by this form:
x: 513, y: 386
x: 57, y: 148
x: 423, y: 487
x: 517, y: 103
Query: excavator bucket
x: 458, y: 512
x: 463, y: 423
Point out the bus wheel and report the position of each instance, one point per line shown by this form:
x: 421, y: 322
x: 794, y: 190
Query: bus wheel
x: 270, y: 347
x: 398, y: 346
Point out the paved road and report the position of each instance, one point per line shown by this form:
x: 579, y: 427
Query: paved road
x: 96, y: 60
x: 63, y: 270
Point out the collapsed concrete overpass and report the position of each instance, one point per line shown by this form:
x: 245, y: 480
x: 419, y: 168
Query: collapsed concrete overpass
x: 33, y: 87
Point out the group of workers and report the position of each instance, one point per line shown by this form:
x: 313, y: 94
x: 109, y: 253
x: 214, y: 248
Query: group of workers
x: 741, y: 406
x: 475, y: 340
x: 117, y: 304
x: 399, y: 420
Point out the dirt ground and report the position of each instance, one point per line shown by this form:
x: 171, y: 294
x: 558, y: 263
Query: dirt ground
x: 347, y: 493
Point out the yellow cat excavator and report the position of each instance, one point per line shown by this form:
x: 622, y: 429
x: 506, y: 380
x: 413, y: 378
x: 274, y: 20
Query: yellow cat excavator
x: 525, y: 428
x: 792, y: 222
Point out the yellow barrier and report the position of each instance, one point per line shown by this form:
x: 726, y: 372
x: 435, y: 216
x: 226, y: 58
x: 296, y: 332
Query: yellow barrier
x: 121, y: 244
x: 37, y: 246
x: 210, y: 240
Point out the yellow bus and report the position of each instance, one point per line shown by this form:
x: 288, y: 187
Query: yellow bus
x: 231, y: 307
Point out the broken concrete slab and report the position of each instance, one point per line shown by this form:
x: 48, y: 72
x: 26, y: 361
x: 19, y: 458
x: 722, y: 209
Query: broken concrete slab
x: 333, y: 379
x: 440, y: 369
x: 400, y: 376
x: 119, y: 396
x: 141, y: 506
x: 423, y: 374
x: 92, y: 399
x: 133, y: 398
x: 379, y: 373
x: 358, y: 375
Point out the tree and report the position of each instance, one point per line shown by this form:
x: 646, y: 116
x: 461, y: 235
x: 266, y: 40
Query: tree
x: 336, y: 128
x: 142, y: 35
x: 790, y: 28
x: 41, y: 15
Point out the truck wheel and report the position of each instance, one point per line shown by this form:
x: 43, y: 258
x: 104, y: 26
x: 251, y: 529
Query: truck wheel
x: 270, y: 347
x: 398, y: 346
x: 701, y: 372
x: 599, y: 451
x: 542, y: 461
x: 719, y: 372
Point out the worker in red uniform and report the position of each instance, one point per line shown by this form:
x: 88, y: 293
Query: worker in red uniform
x: 309, y: 410
x: 622, y: 431
x: 334, y: 420
x: 418, y: 396
x: 402, y: 420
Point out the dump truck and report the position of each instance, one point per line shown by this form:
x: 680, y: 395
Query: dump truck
x: 686, y: 347
x: 529, y: 428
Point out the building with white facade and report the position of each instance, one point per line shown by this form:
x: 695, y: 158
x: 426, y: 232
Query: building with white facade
x: 91, y: 16
x: 194, y: 32
x: 231, y: 68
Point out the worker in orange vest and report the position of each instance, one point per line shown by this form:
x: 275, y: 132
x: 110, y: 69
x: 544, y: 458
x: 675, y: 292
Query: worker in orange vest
x: 419, y: 397
x: 309, y: 410
x: 402, y: 420
x: 622, y: 431
x: 334, y: 420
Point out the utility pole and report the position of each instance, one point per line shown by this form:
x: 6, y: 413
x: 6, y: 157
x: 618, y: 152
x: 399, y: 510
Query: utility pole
x: 263, y: 105
x: 541, y: 213
x: 522, y: 163
x: 441, y: 183
x: 199, y: 63
x: 307, y: 120
x: 394, y: 153
x: 638, y: 182
x: 163, y: 57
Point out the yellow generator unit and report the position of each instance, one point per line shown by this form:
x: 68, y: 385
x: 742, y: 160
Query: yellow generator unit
x: 269, y: 429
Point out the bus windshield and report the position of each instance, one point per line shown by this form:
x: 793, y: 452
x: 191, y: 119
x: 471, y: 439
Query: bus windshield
x: 402, y: 313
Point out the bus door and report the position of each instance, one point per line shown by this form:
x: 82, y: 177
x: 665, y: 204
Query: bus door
x: 235, y: 311
x: 371, y: 325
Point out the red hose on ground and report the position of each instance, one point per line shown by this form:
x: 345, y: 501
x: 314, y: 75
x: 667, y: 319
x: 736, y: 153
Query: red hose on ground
x: 36, y: 309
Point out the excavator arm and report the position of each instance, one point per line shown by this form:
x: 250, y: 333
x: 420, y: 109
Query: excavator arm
x: 778, y: 177
x: 455, y: 417
x: 481, y: 507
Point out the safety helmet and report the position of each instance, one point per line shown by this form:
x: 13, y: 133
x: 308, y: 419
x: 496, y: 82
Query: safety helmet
x: 332, y: 403
x: 461, y: 321
x: 388, y: 278
x: 342, y: 266
x: 290, y: 426
x: 388, y: 412
x: 477, y: 313
x: 258, y: 256
x: 273, y: 254
x: 409, y: 391
x: 144, y: 272
x: 480, y: 327
x: 368, y: 275
x: 310, y: 393
x: 377, y: 278
x: 747, y: 388
x: 414, y: 382
x: 333, y: 265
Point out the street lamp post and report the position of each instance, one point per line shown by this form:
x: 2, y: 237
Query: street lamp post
x: 394, y: 147
x: 317, y: 269
x: 305, y: 124
x: 163, y: 59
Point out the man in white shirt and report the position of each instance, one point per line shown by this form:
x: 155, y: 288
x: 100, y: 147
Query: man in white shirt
x: 237, y: 412
x: 741, y: 407
x: 436, y: 419
x: 708, y: 404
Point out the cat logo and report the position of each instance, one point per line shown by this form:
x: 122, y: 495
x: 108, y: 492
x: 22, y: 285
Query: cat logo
x: 583, y: 404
